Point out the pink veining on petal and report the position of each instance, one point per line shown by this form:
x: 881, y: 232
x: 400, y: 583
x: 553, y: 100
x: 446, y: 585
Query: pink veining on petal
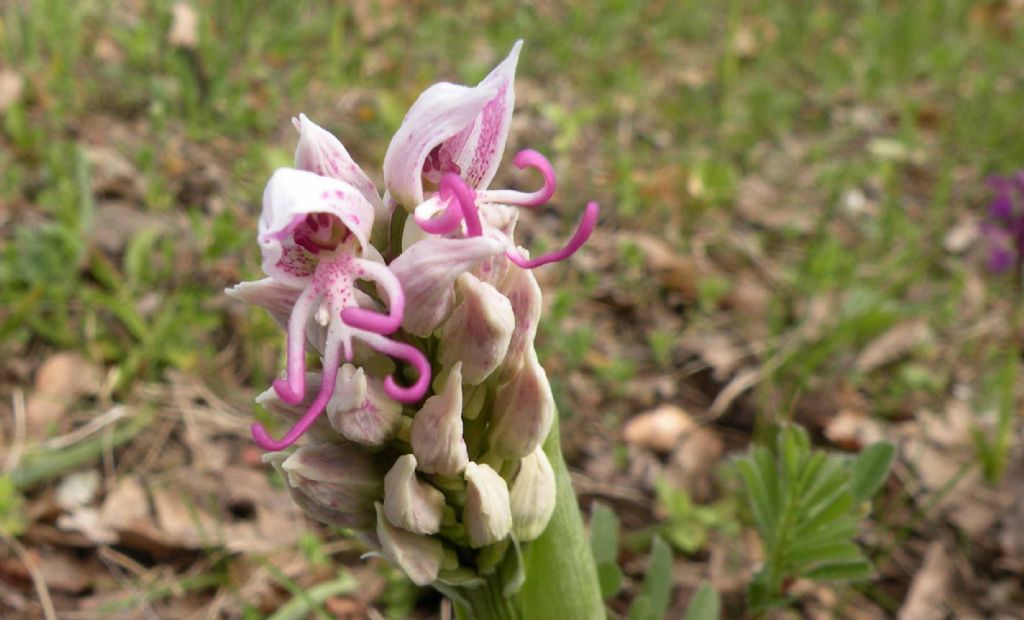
x: 527, y: 159
x: 583, y: 232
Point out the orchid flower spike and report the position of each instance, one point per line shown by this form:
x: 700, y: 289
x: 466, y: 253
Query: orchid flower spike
x: 314, y: 236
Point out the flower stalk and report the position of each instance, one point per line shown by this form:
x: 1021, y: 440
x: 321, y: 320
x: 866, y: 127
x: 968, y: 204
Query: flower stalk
x: 440, y: 444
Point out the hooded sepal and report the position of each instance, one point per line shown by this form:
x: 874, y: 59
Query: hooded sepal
x: 452, y: 128
x: 289, y: 200
x: 320, y: 152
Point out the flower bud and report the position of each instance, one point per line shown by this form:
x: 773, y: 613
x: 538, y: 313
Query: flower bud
x: 523, y: 411
x: 361, y: 410
x: 408, y: 503
x: 427, y: 273
x: 436, y: 434
x: 334, y: 484
x: 532, y: 496
x: 478, y: 331
x: 487, y: 515
x: 418, y: 556
x: 521, y: 288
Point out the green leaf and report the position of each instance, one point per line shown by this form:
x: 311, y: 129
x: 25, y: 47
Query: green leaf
x: 841, y: 571
x: 705, y: 604
x: 561, y: 578
x: 604, y: 534
x: 610, y: 577
x: 871, y: 469
x: 652, y: 602
x: 757, y: 495
x: 828, y: 552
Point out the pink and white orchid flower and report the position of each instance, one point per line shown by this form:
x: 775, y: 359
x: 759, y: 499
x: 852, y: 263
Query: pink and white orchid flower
x: 453, y: 138
x: 314, y: 235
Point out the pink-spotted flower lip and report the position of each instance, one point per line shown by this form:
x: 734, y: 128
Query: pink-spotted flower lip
x: 314, y: 234
x: 305, y: 214
x: 453, y: 128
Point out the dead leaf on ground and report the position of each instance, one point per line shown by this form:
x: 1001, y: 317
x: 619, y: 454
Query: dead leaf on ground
x: 926, y: 599
x: 962, y: 235
x: 658, y: 429
x: 61, y: 571
x: 717, y: 349
x: 184, y: 30
x: 673, y: 270
x: 122, y: 221
x: 759, y: 202
x: 112, y: 172
x: 11, y: 85
x: 694, y: 461
x: 896, y: 342
x: 62, y: 379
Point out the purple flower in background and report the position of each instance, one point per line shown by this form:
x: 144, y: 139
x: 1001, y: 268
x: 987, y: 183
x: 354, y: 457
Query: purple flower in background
x: 1004, y: 228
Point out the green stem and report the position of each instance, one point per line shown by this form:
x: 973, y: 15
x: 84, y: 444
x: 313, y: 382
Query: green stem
x: 561, y: 578
x: 487, y: 602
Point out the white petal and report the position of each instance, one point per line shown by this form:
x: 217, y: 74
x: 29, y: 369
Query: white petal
x: 292, y: 194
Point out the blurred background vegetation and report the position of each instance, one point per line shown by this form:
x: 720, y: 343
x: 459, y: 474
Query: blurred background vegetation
x: 791, y: 199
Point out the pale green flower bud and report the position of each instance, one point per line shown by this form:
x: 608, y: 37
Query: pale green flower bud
x: 436, y: 434
x: 523, y: 411
x: 417, y: 555
x: 361, y: 410
x: 487, y: 515
x: 478, y: 331
x: 410, y: 504
x: 335, y: 484
x: 532, y: 496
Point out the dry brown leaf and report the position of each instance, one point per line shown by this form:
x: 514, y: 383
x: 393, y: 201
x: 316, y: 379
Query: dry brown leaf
x: 11, y: 85
x: 184, y: 30
x: 122, y: 221
x: 852, y: 429
x: 112, y: 172
x: 717, y: 349
x: 62, y: 379
x: 60, y: 570
x: 927, y: 597
x: 673, y: 270
x: 896, y: 342
x: 694, y: 460
x: 962, y: 235
x: 658, y: 429
x: 760, y: 203
x: 78, y: 489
